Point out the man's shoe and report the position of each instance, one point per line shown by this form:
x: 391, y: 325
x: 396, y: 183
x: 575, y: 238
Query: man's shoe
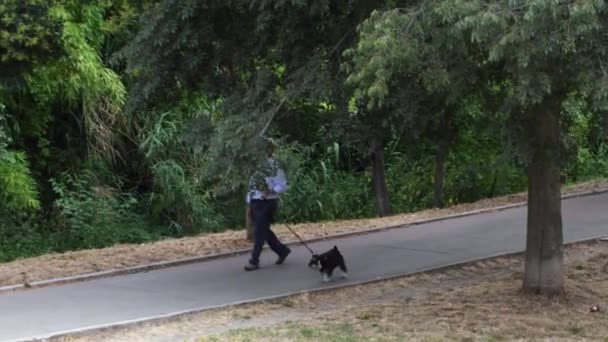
x: 283, y: 257
x: 252, y: 267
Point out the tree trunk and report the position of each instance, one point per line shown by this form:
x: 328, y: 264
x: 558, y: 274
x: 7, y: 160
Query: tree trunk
x: 440, y: 157
x: 248, y: 224
x: 493, y: 187
x: 544, y: 241
x: 383, y: 207
x: 442, y: 150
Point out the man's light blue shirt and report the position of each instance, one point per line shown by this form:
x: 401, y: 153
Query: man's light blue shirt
x: 277, y: 185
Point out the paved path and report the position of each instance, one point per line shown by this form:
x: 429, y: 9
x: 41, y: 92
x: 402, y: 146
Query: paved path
x: 46, y: 311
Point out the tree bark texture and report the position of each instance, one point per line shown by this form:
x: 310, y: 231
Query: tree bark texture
x: 443, y: 146
x: 248, y: 224
x: 376, y: 154
x: 544, y: 241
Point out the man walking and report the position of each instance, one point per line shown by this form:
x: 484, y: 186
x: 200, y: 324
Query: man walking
x: 265, y: 185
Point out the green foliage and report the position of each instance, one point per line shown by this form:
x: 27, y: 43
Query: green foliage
x: 163, y: 59
x: 68, y: 105
x: 179, y: 194
x: 178, y: 46
x: 88, y: 79
x: 4, y: 138
x: 481, y: 164
x: 319, y: 190
x: 410, y: 182
x: 545, y: 48
x: 18, y: 189
x: 29, y: 33
x: 236, y: 141
x: 589, y: 164
x: 583, y: 152
x: 289, y: 62
x: 408, y: 45
x: 478, y: 166
x: 92, y: 216
x: 179, y: 199
x: 23, y: 240
x: 80, y: 81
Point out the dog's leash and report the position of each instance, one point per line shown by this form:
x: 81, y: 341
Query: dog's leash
x: 299, y: 238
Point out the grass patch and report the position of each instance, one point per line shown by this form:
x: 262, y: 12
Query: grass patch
x: 297, y: 332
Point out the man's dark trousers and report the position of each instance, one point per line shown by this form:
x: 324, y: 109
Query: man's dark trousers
x: 262, y: 214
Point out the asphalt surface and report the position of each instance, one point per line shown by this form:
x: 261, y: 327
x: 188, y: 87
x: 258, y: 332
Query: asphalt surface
x: 39, y: 313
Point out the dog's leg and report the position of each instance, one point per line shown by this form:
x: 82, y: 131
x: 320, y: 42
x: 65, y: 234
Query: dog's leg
x: 343, y: 268
x: 344, y: 274
x: 326, y: 278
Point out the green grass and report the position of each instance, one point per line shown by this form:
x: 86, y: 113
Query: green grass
x: 297, y: 332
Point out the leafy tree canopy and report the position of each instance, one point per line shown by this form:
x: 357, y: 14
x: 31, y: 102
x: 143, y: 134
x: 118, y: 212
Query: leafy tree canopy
x: 29, y: 32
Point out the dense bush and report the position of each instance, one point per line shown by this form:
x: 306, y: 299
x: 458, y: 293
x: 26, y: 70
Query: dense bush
x: 18, y: 190
x: 23, y: 239
x: 319, y: 190
x: 90, y: 216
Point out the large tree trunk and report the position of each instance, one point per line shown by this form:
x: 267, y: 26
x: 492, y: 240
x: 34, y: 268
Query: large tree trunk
x: 440, y: 157
x: 378, y: 178
x: 544, y: 241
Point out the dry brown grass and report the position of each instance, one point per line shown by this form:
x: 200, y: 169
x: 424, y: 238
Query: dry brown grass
x: 124, y: 256
x: 481, y: 301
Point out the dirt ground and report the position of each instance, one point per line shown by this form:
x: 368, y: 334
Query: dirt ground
x: 480, y: 301
x: 124, y: 256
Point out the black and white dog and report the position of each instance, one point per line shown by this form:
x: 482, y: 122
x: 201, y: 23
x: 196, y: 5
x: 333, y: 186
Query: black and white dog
x: 327, y: 262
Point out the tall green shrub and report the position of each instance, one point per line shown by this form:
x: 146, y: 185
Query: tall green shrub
x: 18, y: 189
x: 94, y: 216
